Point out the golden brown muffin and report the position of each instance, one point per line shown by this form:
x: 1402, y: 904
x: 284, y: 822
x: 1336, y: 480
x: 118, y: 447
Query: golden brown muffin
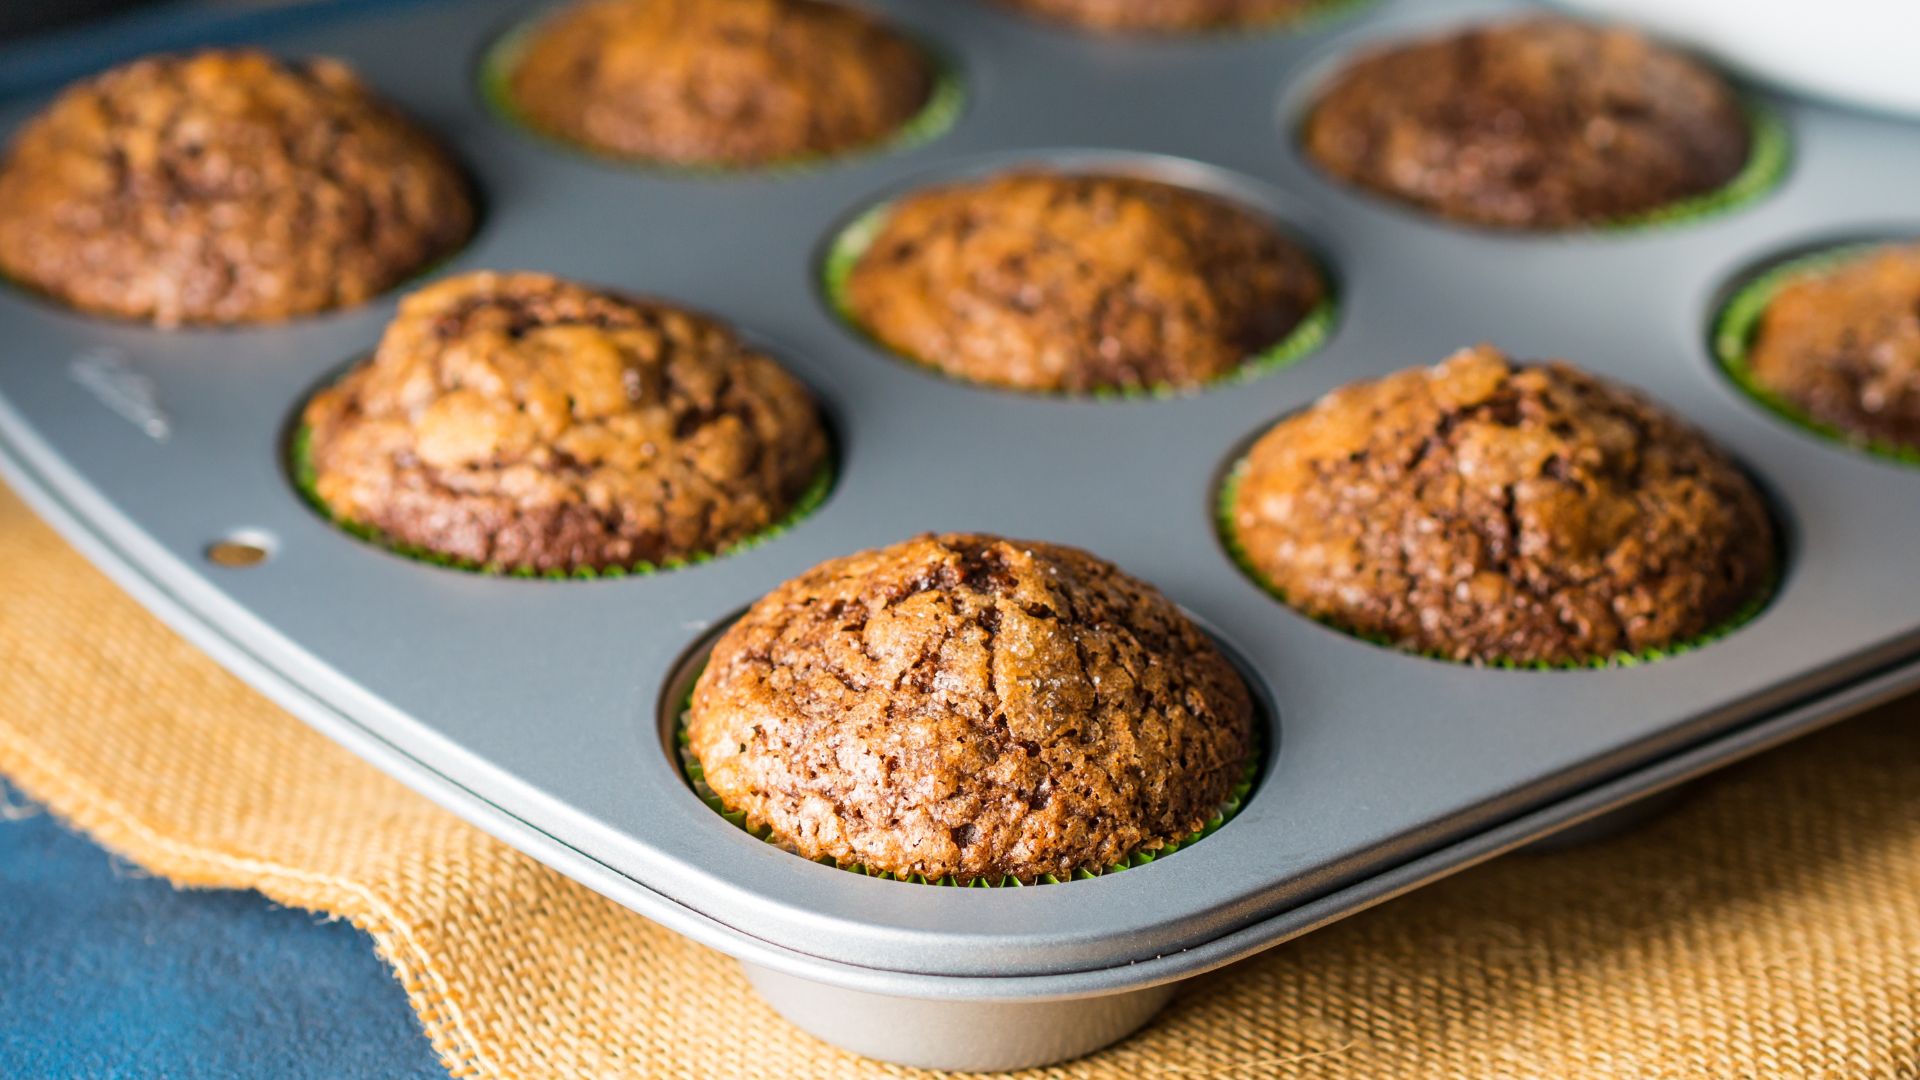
x: 1484, y: 511
x: 1538, y: 124
x: 1045, y: 281
x: 719, y: 82
x: 224, y: 186
x: 522, y: 422
x: 1843, y: 346
x: 973, y: 706
x: 1128, y: 16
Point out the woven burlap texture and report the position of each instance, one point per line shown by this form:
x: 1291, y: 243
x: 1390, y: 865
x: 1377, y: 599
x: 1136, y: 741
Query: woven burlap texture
x: 1768, y: 928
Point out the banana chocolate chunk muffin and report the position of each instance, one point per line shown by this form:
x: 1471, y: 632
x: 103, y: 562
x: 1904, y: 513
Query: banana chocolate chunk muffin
x: 1540, y: 124
x: 1486, y: 511
x: 1842, y: 345
x: 973, y: 706
x: 225, y: 186
x: 1132, y: 16
x: 1049, y: 281
x: 719, y: 82
x: 521, y: 422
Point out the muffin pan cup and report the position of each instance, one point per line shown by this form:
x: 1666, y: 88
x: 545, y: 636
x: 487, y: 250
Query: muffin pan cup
x: 544, y: 711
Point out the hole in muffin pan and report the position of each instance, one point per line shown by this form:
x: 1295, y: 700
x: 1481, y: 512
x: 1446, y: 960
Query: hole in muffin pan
x: 1735, y: 320
x: 240, y: 549
x: 855, y: 232
x: 946, y: 103
x: 1769, y: 161
x: 298, y: 469
x: 677, y: 696
x: 1226, y: 481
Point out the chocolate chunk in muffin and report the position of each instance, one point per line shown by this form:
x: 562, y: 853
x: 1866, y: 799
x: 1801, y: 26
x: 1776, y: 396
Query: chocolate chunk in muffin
x: 522, y: 422
x: 700, y: 82
x: 224, y: 186
x: 1843, y: 346
x: 1489, y: 512
x: 1539, y: 124
x: 973, y: 706
x: 1047, y: 281
x: 1129, y: 16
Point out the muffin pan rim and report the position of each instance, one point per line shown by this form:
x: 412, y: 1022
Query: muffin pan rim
x: 226, y: 604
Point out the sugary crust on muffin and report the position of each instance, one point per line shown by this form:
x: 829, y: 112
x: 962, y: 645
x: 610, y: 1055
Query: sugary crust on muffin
x: 1487, y: 512
x: 1843, y: 346
x: 974, y: 706
x: 224, y: 186
x: 523, y: 422
x: 1046, y: 281
x: 699, y: 82
x: 1538, y: 124
x: 1129, y: 16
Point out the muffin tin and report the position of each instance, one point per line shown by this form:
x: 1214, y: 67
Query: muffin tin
x: 542, y: 710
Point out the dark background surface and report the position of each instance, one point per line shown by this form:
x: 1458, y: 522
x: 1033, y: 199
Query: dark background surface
x: 106, y: 972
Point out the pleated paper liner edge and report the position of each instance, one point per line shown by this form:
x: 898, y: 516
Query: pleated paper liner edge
x: 1738, y: 323
x: 1303, y: 339
x: 946, y: 101
x: 1744, y: 614
x: 300, y: 461
x: 695, y: 776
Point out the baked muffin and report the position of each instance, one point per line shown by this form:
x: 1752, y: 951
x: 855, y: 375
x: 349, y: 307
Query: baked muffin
x: 1047, y: 281
x: 1539, y: 124
x: 973, y: 706
x: 1843, y: 346
x: 719, y: 82
x: 521, y: 422
x: 1130, y: 16
x: 224, y: 186
x: 1489, y: 512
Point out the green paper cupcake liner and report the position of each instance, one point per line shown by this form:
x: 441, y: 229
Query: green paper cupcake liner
x: 946, y: 101
x: 695, y: 775
x: 301, y: 463
x: 1739, y: 322
x: 1230, y: 539
x: 1307, y: 335
x: 1768, y: 157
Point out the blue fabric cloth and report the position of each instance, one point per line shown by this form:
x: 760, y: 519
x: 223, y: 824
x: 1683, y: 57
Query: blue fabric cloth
x: 105, y: 972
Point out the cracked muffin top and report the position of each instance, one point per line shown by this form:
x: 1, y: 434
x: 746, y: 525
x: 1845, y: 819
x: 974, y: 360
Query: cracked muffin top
x: 703, y: 82
x: 521, y: 422
x: 1134, y: 16
x: 1843, y: 346
x: 1054, y: 282
x: 970, y: 705
x: 1538, y: 124
x: 224, y: 186
x: 1484, y: 511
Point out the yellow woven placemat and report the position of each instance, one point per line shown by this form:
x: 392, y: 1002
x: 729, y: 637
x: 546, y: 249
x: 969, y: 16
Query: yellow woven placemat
x: 1768, y: 928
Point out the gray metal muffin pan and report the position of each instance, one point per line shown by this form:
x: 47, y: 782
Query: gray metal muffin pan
x: 538, y: 710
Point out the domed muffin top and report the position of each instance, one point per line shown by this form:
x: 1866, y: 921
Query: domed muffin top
x: 970, y: 705
x: 523, y: 422
x: 697, y: 82
x: 1843, y: 346
x: 1127, y: 16
x: 1048, y: 281
x: 1484, y: 511
x: 224, y: 186
x: 1537, y: 124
